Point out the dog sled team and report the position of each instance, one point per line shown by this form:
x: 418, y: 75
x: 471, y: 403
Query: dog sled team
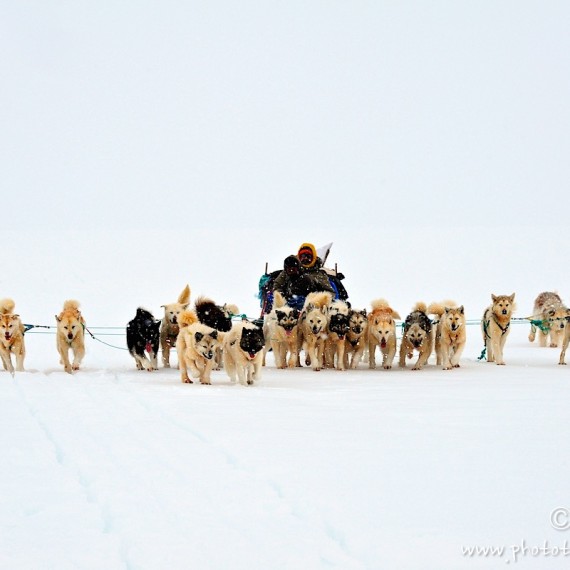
x: 305, y: 311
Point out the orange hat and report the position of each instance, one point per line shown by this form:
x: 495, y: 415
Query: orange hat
x: 307, y: 249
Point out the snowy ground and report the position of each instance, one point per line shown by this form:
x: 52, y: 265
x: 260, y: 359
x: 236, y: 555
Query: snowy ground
x: 114, y: 468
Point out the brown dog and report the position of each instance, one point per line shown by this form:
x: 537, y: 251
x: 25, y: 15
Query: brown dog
x: 382, y: 333
x: 70, y: 335
x: 450, y: 335
x: 11, y: 337
x: 495, y: 326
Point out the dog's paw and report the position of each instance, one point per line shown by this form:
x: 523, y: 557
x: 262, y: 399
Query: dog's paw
x: 205, y: 382
x: 553, y: 345
x: 187, y: 381
x: 75, y: 367
x: 562, y: 363
x: 456, y: 366
x: 448, y: 368
x: 387, y: 366
x: 500, y: 363
x: 417, y: 368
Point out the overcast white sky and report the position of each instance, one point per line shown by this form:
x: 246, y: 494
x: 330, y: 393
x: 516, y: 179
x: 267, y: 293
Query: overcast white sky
x: 211, y: 113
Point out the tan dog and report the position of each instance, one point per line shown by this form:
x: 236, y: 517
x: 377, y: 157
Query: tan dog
x: 357, y: 338
x: 170, y: 327
x: 566, y: 339
x: 418, y: 336
x: 313, y: 325
x: 11, y: 337
x: 243, y: 352
x: 282, y: 332
x: 450, y: 335
x: 70, y: 335
x: 382, y: 333
x: 495, y: 326
x: 196, y: 346
x: 549, y: 308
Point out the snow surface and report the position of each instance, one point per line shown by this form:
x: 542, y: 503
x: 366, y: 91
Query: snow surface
x: 146, y: 145
x: 115, y: 468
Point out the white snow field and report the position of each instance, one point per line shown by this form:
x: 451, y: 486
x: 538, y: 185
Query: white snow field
x: 113, y: 468
x: 147, y: 145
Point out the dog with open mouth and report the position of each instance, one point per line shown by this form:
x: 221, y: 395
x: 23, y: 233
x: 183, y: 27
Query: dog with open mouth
x: 418, y: 335
x: 70, y: 335
x: 243, y: 353
x: 282, y: 333
x: 356, y: 339
x: 11, y: 337
x: 143, y: 340
x: 313, y: 326
x: 382, y: 333
x: 338, y: 327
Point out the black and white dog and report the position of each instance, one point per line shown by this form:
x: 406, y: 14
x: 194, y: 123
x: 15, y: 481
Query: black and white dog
x: 143, y: 337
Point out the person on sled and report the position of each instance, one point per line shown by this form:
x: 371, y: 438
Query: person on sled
x: 303, y: 274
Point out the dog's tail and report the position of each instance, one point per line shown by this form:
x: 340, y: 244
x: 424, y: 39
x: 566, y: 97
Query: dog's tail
x: 439, y: 308
x: 319, y: 299
x: 71, y: 304
x: 7, y: 306
x: 278, y: 300
x: 230, y: 309
x: 383, y: 306
x: 187, y: 318
x: 184, y: 297
x: 420, y: 306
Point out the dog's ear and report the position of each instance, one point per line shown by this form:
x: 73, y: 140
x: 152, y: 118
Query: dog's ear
x: 512, y: 298
x: 57, y: 319
x: 446, y: 309
x: 462, y: 310
x: 214, y: 335
x: 163, y: 306
x: 310, y: 307
x: 184, y: 307
x: 198, y: 336
x: 363, y: 312
x: 493, y: 297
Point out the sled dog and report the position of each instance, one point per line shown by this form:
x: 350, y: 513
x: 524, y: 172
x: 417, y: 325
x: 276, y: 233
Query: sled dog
x: 70, y: 335
x: 218, y: 317
x: 338, y: 327
x: 243, y: 353
x: 282, y: 332
x: 549, y: 309
x: 566, y: 339
x: 170, y: 327
x: 313, y: 325
x: 356, y: 338
x: 196, y: 345
x: 495, y: 326
x: 143, y: 338
x: 417, y: 336
x: 450, y: 333
x: 11, y: 337
x: 382, y: 333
